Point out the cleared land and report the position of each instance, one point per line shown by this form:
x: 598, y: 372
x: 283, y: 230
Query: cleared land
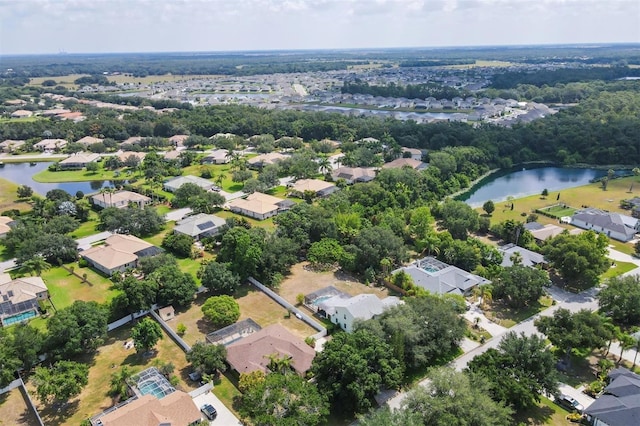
x: 14, y: 410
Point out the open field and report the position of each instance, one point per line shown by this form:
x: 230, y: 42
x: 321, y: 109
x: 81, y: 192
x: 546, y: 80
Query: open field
x: 14, y: 410
x: 481, y: 63
x: 559, y: 210
x: 120, y: 79
x: 107, y: 361
x: 74, y: 176
x: 62, y: 80
x: 8, y: 195
x: 304, y: 281
x: 21, y: 120
x: 591, y: 195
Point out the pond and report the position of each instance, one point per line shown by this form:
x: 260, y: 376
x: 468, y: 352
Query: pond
x: 528, y: 181
x: 22, y: 173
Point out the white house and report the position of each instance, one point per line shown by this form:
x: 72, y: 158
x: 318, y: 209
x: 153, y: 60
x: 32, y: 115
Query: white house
x: 259, y: 206
x: 344, y: 312
x: 219, y: 156
x: 200, y: 225
x: 614, y: 225
x: 173, y: 184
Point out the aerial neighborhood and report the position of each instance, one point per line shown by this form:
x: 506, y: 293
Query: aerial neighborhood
x: 309, y: 243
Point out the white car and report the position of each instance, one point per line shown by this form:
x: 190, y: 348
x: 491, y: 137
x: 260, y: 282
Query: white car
x: 570, y: 403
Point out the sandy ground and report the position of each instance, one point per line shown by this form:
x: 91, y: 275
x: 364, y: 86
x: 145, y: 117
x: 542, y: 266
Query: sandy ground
x: 14, y: 410
x: 302, y: 280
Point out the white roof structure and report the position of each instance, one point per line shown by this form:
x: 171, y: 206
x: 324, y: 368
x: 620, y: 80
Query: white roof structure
x: 362, y: 306
x: 440, y: 278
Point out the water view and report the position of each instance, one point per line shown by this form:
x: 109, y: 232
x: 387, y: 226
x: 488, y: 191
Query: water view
x: 22, y: 173
x: 524, y: 182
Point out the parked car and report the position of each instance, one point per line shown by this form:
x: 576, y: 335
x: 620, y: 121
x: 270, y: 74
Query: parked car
x: 570, y: 403
x: 209, y: 411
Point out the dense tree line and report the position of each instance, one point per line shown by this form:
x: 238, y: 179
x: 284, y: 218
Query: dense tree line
x: 410, y: 91
x: 511, y: 79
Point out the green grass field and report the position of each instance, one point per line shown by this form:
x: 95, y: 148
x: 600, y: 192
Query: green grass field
x: 66, y: 288
x: 74, y: 176
x: 559, y: 211
x: 9, y: 195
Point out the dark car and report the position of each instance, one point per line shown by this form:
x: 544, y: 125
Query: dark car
x: 209, y: 411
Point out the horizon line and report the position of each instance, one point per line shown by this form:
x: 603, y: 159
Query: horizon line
x: 338, y: 49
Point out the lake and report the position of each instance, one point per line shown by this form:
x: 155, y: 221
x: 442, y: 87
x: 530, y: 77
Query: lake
x: 21, y: 173
x: 523, y: 182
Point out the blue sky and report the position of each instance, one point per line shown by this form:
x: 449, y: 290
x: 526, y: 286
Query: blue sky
x: 78, y: 26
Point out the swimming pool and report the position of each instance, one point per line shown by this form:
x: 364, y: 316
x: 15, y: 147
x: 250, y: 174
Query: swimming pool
x: 19, y: 318
x: 152, y: 388
x: 151, y: 382
x: 320, y: 299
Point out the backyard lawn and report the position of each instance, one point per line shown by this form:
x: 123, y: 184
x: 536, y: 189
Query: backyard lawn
x: 66, y: 288
x: 14, y: 410
x: 74, y: 175
x: 110, y: 357
x: 506, y: 316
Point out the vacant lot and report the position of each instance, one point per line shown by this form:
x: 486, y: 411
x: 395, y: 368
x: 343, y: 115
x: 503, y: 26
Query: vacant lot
x: 110, y: 357
x: 559, y: 210
x: 14, y: 410
x: 303, y: 280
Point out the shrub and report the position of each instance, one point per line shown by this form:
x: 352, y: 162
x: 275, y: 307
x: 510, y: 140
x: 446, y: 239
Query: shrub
x: 181, y: 329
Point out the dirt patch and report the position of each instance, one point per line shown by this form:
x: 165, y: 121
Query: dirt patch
x: 15, y: 411
x: 304, y: 280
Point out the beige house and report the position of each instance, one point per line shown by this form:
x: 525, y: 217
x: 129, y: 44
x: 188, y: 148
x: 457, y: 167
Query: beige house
x: 123, y: 156
x: 50, y: 145
x: 120, y: 199
x: 252, y: 353
x: 259, y: 206
x: 78, y: 161
x: 118, y: 253
x: 173, y: 184
x: 263, y: 160
x: 175, y: 409
x: 178, y: 140
x: 319, y: 187
x: 354, y: 174
x: 21, y: 113
x: 5, y: 225
x: 88, y: 140
x: 219, y: 156
x: 10, y: 145
x: 399, y: 163
x: 19, y: 298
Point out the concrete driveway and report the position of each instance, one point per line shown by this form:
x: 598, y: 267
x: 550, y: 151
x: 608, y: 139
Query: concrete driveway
x: 225, y: 416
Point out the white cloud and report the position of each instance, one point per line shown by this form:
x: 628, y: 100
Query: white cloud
x: 47, y: 26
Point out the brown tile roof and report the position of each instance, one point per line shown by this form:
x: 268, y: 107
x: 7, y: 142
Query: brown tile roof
x: 81, y: 158
x: 4, y: 224
x: 314, y: 185
x: 126, y: 154
x: 257, y: 203
x: 403, y: 162
x: 89, y: 140
x: 251, y: 353
x: 21, y: 289
x: 175, y: 409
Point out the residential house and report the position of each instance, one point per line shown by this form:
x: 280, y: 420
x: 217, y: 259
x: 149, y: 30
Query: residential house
x: 89, y: 140
x: 171, y: 155
x: 132, y: 140
x: 9, y: 145
x: 542, y: 233
x: 527, y: 257
x: 440, y: 278
x: 21, y: 113
x: 614, y: 225
x: 118, y: 253
x: 50, y: 145
x: 414, y: 153
x: 632, y: 203
x: 399, y: 163
x: 354, y: 174
x: 125, y: 155
x: 175, y: 409
x: 173, y: 184
x: 345, y: 311
x: 74, y: 116
x: 178, y: 140
x: 54, y: 111
x: 263, y: 160
x: 6, y: 223
x: 78, y: 161
x: 16, y: 102
x: 219, y: 156
x: 120, y: 199
x: 620, y: 403
x: 367, y: 141
x: 200, y: 225
x: 259, y: 206
x: 319, y: 188
x: 252, y: 353
x: 19, y: 297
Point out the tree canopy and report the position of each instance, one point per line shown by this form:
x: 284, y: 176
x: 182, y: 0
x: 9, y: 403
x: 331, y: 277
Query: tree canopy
x: 221, y: 310
x: 61, y: 382
x: 519, y: 370
x: 206, y: 358
x: 77, y: 329
x: 580, y: 259
x: 218, y: 278
x: 620, y: 300
x: 146, y: 334
x: 284, y: 399
x: 353, y: 367
x: 520, y: 286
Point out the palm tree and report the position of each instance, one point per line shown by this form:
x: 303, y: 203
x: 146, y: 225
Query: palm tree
x: 486, y: 291
x: 119, y: 387
x: 219, y: 179
x: 324, y: 164
x: 626, y: 342
x: 613, y: 331
x: 516, y: 258
x: 279, y: 364
x: 636, y: 346
x: 36, y: 264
